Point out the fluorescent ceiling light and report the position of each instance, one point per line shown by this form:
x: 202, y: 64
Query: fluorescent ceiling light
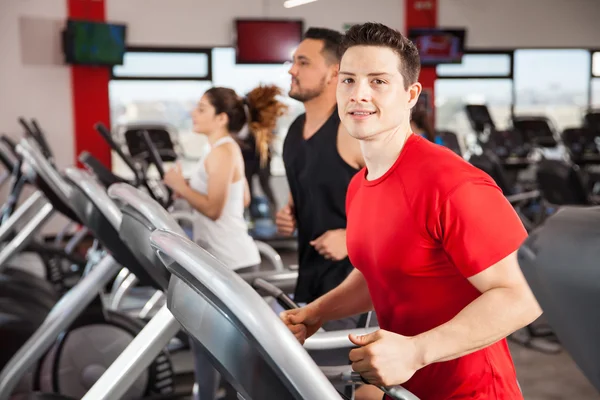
x: 296, y: 3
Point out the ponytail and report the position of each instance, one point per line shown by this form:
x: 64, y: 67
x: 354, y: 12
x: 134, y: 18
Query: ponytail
x: 263, y: 112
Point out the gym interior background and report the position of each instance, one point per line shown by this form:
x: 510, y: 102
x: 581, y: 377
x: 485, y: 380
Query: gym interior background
x: 520, y: 58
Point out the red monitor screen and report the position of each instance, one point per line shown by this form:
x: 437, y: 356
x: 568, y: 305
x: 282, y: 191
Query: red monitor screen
x: 439, y: 46
x: 267, y: 41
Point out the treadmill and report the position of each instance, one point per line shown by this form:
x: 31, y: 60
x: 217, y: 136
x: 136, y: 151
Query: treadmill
x: 142, y: 217
x: 255, y: 351
x: 560, y: 262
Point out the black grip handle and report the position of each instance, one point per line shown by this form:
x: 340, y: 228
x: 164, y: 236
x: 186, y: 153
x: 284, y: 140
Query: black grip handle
x: 31, y: 132
x: 395, y: 392
x: 286, y: 302
x: 271, y: 290
x: 153, y: 153
x: 28, y: 130
x: 105, y: 133
x: 19, y: 182
x: 42, y: 139
x: 157, y: 161
x: 97, y: 168
x: 8, y: 155
x: 10, y: 143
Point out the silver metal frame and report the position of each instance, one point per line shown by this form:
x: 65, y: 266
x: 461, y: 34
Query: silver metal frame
x: 30, y: 152
x: 293, y: 362
x: 33, y: 202
x: 60, y: 317
x: 140, y: 353
x: 203, y: 287
x: 145, y: 205
x: 96, y: 193
x: 22, y: 239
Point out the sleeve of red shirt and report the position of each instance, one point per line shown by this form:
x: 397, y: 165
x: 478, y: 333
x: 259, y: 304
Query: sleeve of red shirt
x: 352, y: 187
x: 478, y: 227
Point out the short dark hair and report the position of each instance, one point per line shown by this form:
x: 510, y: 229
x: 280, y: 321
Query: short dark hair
x: 331, y: 42
x: 374, y: 34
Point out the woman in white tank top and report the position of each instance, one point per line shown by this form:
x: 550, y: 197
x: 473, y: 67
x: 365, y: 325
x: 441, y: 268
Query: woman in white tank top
x: 218, y: 191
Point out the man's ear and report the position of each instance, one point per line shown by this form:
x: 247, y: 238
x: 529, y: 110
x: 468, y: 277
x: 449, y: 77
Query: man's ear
x: 414, y: 91
x: 334, y: 71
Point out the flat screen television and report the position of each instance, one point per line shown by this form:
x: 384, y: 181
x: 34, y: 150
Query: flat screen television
x: 266, y: 41
x: 94, y: 43
x: 439, y: 46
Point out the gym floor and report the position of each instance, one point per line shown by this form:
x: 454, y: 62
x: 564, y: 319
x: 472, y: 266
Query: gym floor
x: 541, y: 376
x: 550, y: 377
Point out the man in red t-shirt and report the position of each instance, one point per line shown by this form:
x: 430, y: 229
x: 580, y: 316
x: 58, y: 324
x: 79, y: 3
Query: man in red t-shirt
x: 432, y: 238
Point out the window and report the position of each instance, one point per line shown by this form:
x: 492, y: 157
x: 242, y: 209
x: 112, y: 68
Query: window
x: 243, y: 78
x: 165, y: 85
x: 159, y: 101
x: 452, y: 95
x: 482, y: 78
x: 164, y: 65
x: 161, y: 85
x: 478, y: 65
x: 595, y: 83
x: 552, y: 83
x: 596, y: 93
x: 596, y: 64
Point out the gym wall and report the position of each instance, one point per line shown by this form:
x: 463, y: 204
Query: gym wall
x: 35, y: 83
x: 33, y: 80
x: 210, y: 23
x: 503, y: 24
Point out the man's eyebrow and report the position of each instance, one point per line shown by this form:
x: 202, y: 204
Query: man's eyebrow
x: 371, y: 74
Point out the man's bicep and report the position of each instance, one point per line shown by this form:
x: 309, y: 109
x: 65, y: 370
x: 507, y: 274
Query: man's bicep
x: 506, y: 273
x: 479, y: 227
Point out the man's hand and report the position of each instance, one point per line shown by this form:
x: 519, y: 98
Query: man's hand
x: 332, y: 244
x: 302, y: 322
x: 175, y: 180
x: 385, y: 358
x: 285, y: 221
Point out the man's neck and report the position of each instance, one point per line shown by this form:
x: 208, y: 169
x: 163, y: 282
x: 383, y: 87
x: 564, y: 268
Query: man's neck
x: 318, y: 110
x: 382, y: 151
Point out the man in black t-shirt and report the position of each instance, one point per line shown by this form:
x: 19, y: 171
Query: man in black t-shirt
x: 320, y: 160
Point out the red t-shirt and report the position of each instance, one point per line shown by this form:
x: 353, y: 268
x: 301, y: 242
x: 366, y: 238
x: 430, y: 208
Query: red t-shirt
x: 416, y: 234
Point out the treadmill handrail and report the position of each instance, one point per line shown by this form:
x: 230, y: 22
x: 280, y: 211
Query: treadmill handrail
x: 28, y: 149
x: 515, y: 198
x: 345, y: 374
x: 329, y: 340
x: 96, y: 193
x: 239, y: 297
x: 145, y: 205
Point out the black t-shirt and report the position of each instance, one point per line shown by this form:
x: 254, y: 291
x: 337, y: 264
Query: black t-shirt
x: 318, y: 178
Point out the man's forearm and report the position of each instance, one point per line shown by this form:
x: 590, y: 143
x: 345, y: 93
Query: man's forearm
x: 491, y: 317
x: 351, y: 297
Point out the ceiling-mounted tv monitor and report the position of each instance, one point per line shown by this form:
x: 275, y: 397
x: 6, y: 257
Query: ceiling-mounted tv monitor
x: 260, y: 41
x: 94, y: 43
x: 439, y: 46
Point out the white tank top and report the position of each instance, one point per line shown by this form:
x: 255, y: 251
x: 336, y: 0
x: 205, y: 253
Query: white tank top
x: 227, y: 238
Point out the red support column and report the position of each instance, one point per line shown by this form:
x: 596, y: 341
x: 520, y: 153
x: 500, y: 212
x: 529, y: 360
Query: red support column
x: 423, y: 14
x: 90, y: 91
